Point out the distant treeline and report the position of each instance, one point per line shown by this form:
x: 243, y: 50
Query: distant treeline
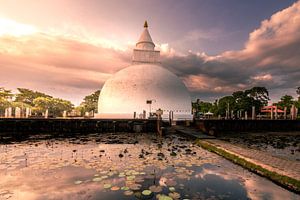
x: 243, y: 101
x: 239, y: 101
x: 39, y: 102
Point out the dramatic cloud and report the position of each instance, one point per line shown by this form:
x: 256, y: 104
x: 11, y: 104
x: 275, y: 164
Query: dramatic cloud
x: 72, y: 66
x: 63, y: 67
x: 270, y: 58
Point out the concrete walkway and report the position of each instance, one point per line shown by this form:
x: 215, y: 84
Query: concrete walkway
x: 267, y: 161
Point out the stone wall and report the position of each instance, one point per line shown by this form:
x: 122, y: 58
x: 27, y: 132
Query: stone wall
x: 84, y: 126
x: 217, y: 127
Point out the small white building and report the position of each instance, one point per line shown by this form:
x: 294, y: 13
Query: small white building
x: 144, y: 87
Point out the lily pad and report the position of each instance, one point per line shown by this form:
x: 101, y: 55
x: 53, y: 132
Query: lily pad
x: 135, y: 186
x: 97, y: 179
x: 146, y: 192
x: 163, y: 197
x: 174, y: 195
x: 104, y: 177
x: 130, y: 178
x: 171, y: 182
x: 173, y: 153
x: 106, y: 186
x: 115, y: 188
x: 77, y: 182
x: 124, y: 188
x: 155, y: 188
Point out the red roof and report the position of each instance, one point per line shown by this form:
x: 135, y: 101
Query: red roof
x: 267, y: 109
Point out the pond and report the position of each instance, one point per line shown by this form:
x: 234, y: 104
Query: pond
x: 125, y: 166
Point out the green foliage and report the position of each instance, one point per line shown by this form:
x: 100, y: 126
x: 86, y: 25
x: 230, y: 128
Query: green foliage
x: 5, y: 96
x: 27, y: 96
x: 55, y: 106
x: 202, y: 106
x: 90, y: 103
x: 243, y: 101
x: 298, y: 91
x: 225, y: 103
x: 259, y: 94
x: 286, y: 101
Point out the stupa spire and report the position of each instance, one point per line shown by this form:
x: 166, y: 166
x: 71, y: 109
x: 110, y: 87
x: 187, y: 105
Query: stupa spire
x: 144, y: 51
x: 146, y: 24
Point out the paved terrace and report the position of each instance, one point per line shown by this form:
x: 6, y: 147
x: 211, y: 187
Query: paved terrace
x: 267, y: 161
x: 275, y: 164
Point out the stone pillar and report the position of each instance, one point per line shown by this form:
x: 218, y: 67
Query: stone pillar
x: 253, y: 112
x: 246, y: 115
x: 27, y: 112
x: 46, y: 113
x: 276, y: 112
x: 144, y: 114
x: 232, y: 114
x: 134, y: 115
x: 9, y: 112
x: 6, y: 113
x: 65, y: 114
x: 272, y: 112
x: 284, y: 115
x: 293, y: 112
x: 17, y: 112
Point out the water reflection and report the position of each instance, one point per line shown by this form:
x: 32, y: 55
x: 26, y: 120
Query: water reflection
x: 125, y: 166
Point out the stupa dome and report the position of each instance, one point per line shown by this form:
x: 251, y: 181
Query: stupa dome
x: 144, y: 87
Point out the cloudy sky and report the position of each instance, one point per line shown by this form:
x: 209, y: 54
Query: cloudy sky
x: 69, y: 48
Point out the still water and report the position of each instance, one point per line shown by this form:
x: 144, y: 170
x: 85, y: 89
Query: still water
x: 125, y: 166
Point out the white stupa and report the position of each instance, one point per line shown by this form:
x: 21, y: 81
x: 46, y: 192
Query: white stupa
x: 144, y: 86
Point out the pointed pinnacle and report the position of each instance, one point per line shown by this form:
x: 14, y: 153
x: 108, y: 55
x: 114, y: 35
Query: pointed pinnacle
x: 146, y: 24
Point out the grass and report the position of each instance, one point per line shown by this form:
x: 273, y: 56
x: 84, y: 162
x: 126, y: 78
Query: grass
x: 282, y: 180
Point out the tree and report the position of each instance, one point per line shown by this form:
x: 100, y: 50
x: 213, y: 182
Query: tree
x: 243, y: 102
x: 202, y: 106
x: 27, y: 96
x: 55, y: 106
x: 298, y: 93
x: 90, y: 102
x: 260, y: 94
x: 5, y: 97
x: 225, y: 103
x: 286, y: 101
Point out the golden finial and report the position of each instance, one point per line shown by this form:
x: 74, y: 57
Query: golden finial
x: 146, y: 24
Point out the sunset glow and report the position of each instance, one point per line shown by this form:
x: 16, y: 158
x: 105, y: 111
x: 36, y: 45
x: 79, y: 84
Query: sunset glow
x: 71, y: 52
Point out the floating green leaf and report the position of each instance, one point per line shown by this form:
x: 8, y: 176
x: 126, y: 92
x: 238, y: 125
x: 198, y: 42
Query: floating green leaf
x: 107, y: 185
x: 146, y: 192
x: 124, y: 188
x: 97, y: 179
x: 77, y: 182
